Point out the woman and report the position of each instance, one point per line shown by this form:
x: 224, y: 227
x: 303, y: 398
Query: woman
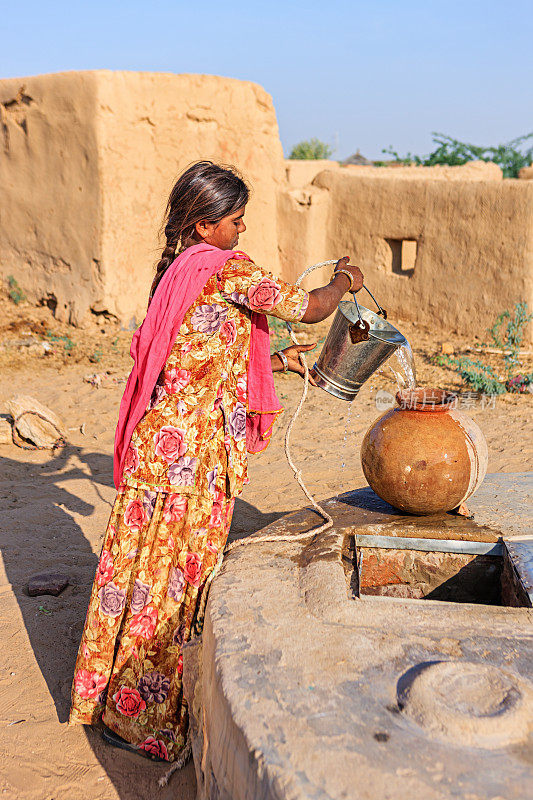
x: 200, y: 396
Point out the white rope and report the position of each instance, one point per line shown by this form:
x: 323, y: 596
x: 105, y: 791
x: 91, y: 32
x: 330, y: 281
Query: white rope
x: 295, y: 537
x: 179, y: 763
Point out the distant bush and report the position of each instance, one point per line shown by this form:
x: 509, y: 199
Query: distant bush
x: 311, y: 149
x: 511, y: 157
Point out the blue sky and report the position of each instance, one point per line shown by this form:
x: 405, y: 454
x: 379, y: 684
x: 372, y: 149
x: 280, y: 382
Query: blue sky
x: 354, y: 74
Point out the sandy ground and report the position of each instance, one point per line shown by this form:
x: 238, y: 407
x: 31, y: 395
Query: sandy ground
x: 56, y: 510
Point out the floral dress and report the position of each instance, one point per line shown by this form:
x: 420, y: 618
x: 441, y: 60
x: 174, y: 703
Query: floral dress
x: 170, y: 520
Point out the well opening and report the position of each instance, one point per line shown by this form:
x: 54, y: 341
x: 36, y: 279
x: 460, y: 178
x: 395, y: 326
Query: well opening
x: 412, y: 574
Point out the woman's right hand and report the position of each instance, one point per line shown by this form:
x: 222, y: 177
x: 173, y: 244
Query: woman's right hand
x: 324, y: 300
x: 355, y: 272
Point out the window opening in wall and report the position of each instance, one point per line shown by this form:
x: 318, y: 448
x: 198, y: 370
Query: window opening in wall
x: 403, y: 253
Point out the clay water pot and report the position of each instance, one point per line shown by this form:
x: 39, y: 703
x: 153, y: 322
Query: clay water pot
x: 424, y: 456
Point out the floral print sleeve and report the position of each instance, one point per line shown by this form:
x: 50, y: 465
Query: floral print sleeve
x: 245, y: 284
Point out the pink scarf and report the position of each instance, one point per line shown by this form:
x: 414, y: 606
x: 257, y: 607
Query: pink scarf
x: 179, y: 287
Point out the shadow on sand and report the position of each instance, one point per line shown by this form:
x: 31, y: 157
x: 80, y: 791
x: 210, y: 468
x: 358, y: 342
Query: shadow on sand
x: 43, y: 501
x: 42, y: 535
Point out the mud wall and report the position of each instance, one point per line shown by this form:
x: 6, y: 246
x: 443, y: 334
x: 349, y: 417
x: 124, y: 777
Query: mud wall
x: 300, y: 173
x: 87, y: 165
x: 451, y: 253
x: 150, y: 127
x: 50, y: 190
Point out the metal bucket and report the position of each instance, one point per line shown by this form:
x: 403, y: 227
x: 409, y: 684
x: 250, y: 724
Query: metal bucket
x: 342, y: 366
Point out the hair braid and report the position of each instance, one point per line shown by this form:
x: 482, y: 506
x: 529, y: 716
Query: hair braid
x: 167, y: 257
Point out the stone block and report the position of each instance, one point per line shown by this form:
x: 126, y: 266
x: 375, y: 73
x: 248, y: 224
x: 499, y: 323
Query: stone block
x: 307, y: 692
x: 47, y: 583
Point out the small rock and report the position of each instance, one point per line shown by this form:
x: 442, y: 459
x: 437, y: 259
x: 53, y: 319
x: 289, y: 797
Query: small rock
x: 37, y: 348
x: 6, y: 436
x: 47, y: 583
x: 95, y: 380
x: 447, y: 349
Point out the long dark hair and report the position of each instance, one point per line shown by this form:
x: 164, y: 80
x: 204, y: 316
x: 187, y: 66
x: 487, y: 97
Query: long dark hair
x: 204, y: 192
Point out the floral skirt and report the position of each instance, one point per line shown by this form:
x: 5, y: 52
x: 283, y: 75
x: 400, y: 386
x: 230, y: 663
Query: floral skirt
x: 147, y: 599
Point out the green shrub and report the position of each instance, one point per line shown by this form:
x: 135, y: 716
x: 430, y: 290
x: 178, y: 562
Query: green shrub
x: 511, y: 157
x: 14, y: 291
x: 479, y: 376
x: 96, y: 357
x: 482, y: 377
x: 513, y: 335
x: 311, y: 149
x: 66, y: 341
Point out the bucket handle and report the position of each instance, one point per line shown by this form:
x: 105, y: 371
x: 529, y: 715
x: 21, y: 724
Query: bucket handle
x: 381, y: 311
x: 357, y: 307
x: 359, y: 330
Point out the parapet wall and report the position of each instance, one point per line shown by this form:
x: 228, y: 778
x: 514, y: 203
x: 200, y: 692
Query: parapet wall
x: 150, y: 127
x: 301, y: 172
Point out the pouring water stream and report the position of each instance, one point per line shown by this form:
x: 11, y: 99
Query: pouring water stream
x: 406, y: 377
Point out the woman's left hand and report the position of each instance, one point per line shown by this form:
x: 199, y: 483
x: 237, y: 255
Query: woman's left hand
x: 291, y: 354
